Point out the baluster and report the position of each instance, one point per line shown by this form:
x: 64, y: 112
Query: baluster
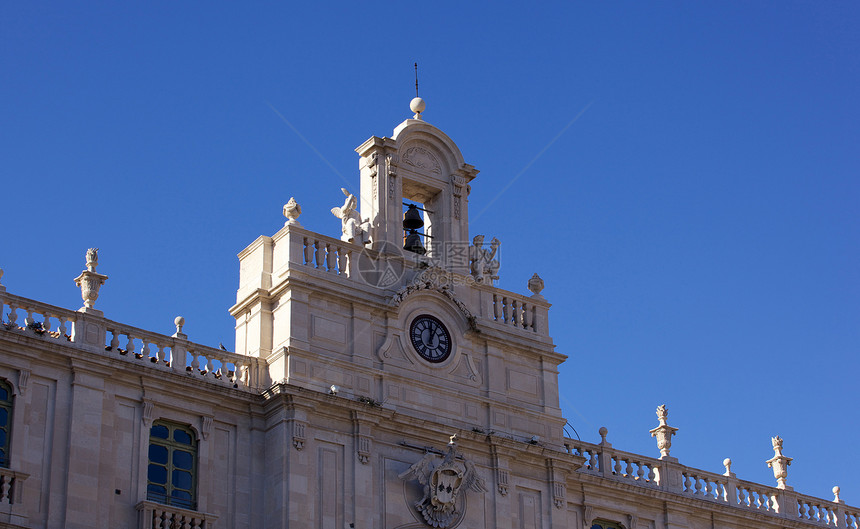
x: 318, y: 251
x: 196, y: 523
x: 13, y: 314
x: 640, y: 474
x: 495, y: 307
x: 308, y: 251
x: 629, y: 470
x: 709, y: 488
x: 534, y: 319
x: 62, y: 328
x: 160, y: 354
x: 186, y: 522
x: 210, y: 366
x: 165, y: 523
x: 5, y: 485
x: 129, y: 346
x: 329, y: 258
x: 29, y: 319
x: 195, y: 362
x: 593, y: 463
x: 114, y: 341
x: 698, y: 483
x: 506, y: 309
x: 342, y: 258
x: 618, y: 467
x: 515, y: 313
x: 144, y: 352
x: 46, y: 323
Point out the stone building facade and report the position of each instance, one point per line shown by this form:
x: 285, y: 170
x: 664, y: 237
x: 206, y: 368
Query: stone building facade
x: 370, y: 387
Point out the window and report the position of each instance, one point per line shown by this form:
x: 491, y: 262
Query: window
x: 5, y: 422
x: 603, y: 524
x: 172, y: 473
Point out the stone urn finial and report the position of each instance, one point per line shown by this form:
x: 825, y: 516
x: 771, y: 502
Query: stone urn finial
x: 836, y: 498
x: 779, y: 463
x: 536, y: 286
x: 90, y: 282
x: 292, y: 210
x: 663, y: 432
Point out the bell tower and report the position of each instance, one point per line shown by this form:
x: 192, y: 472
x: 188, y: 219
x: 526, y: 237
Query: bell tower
x: 419, y: 164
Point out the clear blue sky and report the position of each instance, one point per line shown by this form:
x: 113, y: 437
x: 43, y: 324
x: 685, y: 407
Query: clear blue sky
x: 697, y: 226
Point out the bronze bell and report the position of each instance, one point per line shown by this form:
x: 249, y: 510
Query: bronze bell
x: 412, y: 218
x: 413, y: 243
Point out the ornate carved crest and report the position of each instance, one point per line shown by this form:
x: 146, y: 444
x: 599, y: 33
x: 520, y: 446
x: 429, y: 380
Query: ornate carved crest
x: 445, y: 486
x: 422, y: 158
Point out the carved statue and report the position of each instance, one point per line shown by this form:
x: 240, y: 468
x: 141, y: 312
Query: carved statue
x: 444, y: 485
x: 482, y: 261
x: 352, y: 227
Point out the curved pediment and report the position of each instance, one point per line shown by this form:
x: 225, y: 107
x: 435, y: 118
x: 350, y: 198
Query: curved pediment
x: 437, y: 280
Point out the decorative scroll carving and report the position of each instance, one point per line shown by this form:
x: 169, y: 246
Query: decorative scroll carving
x: 23, y: 379
x: 423, y: 159
x: 206, y: 428
x: 146, y: 416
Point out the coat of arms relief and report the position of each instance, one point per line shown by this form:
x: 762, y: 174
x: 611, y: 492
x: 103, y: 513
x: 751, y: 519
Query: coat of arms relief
x: 444, y: 486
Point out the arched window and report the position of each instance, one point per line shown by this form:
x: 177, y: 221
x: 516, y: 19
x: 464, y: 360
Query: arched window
x: 5, y: 422
x: 172, y: 473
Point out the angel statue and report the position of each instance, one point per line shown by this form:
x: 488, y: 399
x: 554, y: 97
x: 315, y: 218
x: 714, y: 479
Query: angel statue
x: 354, y: 230
x: 482, y: 261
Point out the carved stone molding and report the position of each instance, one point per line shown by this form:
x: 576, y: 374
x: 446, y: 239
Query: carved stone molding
x: 503, y: 477
x: 146, y: 416
x: 587, y: 516
x: 206, y: 426
x: 299, y: 434
x: 23, y: 379
x: 632, y: 521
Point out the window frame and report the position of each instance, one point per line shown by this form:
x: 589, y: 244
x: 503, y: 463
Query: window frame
x: 7, y: 404
x: 172, y: 446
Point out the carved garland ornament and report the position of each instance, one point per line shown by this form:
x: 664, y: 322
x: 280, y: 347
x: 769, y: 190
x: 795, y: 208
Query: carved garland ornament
x: 436, y: 279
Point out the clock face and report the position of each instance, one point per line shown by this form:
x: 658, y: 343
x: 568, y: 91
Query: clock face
x: 430, y: 338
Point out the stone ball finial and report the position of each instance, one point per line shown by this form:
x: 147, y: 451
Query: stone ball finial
x: 417, y: 105
x: 179, y: 321
x: 836, y: 494
x: 603, y: 431
x: 728, y: 464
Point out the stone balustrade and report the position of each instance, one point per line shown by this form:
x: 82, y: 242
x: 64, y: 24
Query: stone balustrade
x: 179, y: 355
x: 158, y: 516
x: 40, y: 319
x: 603, y: 460
x: 132, y: 344
x: 516, y: 311
x: 11, y: 487
x: 328, y: 254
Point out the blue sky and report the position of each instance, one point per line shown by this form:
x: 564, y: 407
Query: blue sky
x: 696, y: 226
